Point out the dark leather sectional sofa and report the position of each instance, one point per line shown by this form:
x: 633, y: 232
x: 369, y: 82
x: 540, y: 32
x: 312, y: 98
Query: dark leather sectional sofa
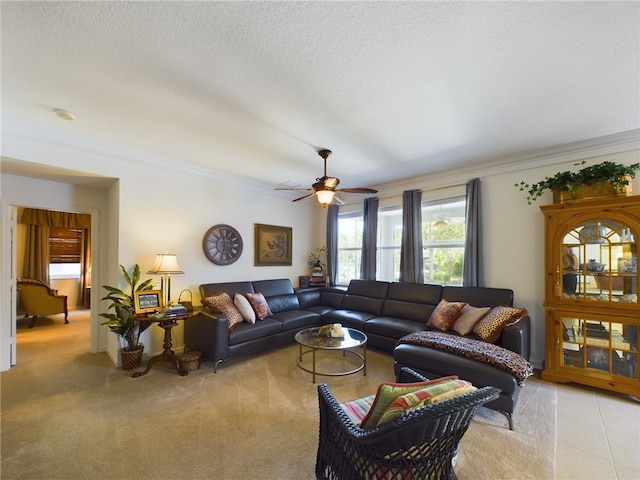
x: 384, y: 311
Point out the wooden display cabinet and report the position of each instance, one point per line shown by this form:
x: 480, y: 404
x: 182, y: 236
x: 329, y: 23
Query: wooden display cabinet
x: 591, y: 304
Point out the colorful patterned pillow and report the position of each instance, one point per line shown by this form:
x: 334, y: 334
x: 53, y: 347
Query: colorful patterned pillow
x: 260, y: 305
x: 222, y: 303
x: 425, y: 396
x: 468, y: 318
x: 388, y: 392
x: 357, y: 409
x: 245, y: 308
x: 445, y: 314
x: 490, y: 327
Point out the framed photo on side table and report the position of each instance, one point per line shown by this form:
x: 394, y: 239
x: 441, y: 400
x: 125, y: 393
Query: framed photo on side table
x: 147, y: 300
x: 272, y: 245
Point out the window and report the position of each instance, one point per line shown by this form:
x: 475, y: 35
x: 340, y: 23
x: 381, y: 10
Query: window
x: 65, y: 250
x: 443, y: 230
x: 389, y: 243
x: 349, y: 247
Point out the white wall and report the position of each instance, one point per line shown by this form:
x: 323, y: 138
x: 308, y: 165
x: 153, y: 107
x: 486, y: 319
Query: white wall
x: 151, y: 210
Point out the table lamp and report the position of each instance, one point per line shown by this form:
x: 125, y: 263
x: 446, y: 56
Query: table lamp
x: 166, y: 264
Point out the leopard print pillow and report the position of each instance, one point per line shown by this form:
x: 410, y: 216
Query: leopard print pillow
x: 221, y: 303
x: 491, y: 325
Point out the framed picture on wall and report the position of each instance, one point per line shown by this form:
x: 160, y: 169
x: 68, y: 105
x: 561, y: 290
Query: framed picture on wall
x: 147, y: 301
x: 272, y: 245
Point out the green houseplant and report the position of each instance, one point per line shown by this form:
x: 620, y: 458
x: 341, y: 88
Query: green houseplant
x: 121, y: 317
x: 616, y: 175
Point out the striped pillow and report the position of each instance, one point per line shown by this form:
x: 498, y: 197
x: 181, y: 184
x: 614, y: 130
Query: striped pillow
x: 357, y: 409
x: 388, y: 392
x: 426, y: 396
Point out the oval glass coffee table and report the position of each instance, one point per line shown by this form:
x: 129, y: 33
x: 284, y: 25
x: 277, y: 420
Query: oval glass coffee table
x: 351, y: 338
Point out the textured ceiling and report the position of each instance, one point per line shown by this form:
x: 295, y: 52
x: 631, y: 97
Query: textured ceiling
x: 395, y: 89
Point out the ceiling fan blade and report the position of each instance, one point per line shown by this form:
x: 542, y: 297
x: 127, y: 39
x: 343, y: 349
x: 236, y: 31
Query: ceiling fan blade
x: 357, y: 190
x: 305, y: 196
x: 338, y: 199
x: 296, y: 189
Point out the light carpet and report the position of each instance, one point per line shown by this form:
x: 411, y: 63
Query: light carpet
x: 68, y: 414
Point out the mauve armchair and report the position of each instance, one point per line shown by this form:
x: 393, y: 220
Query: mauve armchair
x: 38, y: 299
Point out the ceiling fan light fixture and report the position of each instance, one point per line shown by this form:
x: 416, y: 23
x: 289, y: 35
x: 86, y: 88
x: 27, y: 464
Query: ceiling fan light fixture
x: 325, y: 197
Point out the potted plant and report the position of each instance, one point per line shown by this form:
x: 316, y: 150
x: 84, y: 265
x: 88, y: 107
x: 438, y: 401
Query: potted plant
x: 122, y: 321
x: 603, y: 178
x: 314, y: 259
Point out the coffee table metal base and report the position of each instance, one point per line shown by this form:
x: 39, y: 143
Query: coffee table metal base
x: 313, y: 371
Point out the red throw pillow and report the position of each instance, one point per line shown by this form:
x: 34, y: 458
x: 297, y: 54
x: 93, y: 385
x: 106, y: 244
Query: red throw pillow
x: 260, y: 305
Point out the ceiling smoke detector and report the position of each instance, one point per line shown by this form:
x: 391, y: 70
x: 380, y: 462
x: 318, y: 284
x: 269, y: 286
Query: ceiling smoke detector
x: 64, y: 114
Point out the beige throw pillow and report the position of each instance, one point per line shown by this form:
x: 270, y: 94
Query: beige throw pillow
x: 468, y: 318
x: 245, y: 308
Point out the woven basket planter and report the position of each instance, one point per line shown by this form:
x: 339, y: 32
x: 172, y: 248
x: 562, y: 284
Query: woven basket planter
x: 190, y: 361
x: 600, y: 189
x: 131, y: 358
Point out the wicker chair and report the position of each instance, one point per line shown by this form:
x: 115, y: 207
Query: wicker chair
x: 38, y: 299
x: 419, y: 444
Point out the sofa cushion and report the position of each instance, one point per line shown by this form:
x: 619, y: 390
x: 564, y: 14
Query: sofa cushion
x: 271, y: 288
x: 412, y: 311
x: 245, y: 308
x: 361, y: 303
x: 231, y: 288
x: 283, y: 303
x: 435, y: 393
x: 415, y: 293
x: 297, y: 319
x: 491, y: 325
x: 392, y: 327
x: 331, y: 298
x: 260, y: 305
x: 222, y: 303
x: 368, y: 288
x: 478, y: 296
x: 445, y: 314
x: 246, y: 332
x: 348, y: 318
x: 388, y: 392
x: 468, y: 318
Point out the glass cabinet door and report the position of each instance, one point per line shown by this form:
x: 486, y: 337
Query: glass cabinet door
x: 599, y: 262
x: 600, y: 346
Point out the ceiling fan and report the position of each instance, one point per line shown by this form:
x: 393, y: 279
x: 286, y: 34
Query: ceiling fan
x: 325, y: 187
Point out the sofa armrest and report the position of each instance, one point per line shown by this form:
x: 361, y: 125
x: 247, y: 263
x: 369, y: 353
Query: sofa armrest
x: 209, y: 334
x: 517, y: 338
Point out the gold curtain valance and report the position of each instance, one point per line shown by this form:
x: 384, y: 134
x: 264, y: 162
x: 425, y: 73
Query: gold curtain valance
x: 35, y: 216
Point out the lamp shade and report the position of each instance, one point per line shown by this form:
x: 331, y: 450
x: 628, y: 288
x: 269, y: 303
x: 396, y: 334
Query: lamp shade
x: 325, y: 196
x: 166, y: 263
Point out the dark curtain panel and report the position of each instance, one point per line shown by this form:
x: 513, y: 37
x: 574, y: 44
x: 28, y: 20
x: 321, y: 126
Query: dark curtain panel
x: 411, y: 263
x: 36, y: 253
x: 332, y: 243
x: 472, y: 240
x: 369, y: 239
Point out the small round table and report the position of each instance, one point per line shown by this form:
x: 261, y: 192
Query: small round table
x: 351, y: 338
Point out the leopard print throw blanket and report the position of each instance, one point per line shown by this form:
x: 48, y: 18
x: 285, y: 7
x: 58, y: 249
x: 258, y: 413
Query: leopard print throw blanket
x: 474, y: 349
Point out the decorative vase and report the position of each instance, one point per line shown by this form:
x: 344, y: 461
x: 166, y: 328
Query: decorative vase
x: 131, y: 358
x: 600, y: 189
x: 317, y: 267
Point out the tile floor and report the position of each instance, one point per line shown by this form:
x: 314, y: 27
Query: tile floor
x: 598, y: 434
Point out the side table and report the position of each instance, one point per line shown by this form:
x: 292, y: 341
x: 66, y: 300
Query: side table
x: 167, y: 355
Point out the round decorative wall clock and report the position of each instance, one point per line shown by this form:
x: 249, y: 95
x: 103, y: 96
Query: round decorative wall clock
x: 222, y: 244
